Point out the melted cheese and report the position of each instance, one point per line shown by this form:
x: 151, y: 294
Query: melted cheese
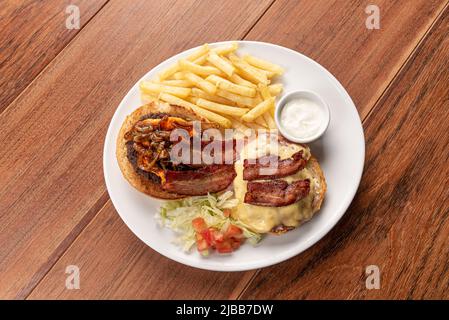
x: 263, y: 219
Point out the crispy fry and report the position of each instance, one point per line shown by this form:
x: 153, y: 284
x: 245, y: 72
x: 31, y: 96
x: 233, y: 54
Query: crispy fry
x: 224, y: 122
x: 197, y: 69
x: 275, y: 89
x: 177, y: 83
x: 156, y: 88
x: 201, y: 83
x: 201, y: 94
x: 221, y: 63
x: 269, y: 120
x: 203, y: 50
x: 221, y: 108
x: 175, y: 100
x: 226, y: 49
x: 147, y: 98
x: 263, y: 64
x: 239, y: 80
x: 247, y: 71
x: 258, y: 110
x: 178, y: 76
x: 227, y: 85
x: 264, y: 92
x: 168, y: 72
x: 239, y: 100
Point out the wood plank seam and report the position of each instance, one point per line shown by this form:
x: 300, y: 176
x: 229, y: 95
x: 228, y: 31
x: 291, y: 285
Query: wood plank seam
x: 55, y: 57
x: 103, y: 200
x: 56, y: 256
x: 377, y: 103
x: 406, y: 61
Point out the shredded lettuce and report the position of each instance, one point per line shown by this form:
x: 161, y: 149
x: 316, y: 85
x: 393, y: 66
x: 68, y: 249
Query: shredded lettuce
x: 178, y: 216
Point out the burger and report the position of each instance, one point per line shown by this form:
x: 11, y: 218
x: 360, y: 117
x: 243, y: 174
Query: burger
x: 144, y: 154
x: 277, y: 198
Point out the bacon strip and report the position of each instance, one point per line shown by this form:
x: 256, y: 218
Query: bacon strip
x: 261, y: 169
x: 198, y: 182
x: 276, y: 193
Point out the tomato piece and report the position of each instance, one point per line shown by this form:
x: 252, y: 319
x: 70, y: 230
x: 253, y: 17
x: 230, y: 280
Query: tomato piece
x: 217, y: 236
x: 236, y: 244
x: 207, y: 235
x: 199, y: 225
x: 233, y: 232
x: 227, y: 212
x: 201, y: 243
x: 224, y: 247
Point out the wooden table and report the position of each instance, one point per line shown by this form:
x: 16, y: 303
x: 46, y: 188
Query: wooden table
x: 59, y: 89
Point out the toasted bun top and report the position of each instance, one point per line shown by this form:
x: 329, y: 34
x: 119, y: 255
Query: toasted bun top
x: 143, y: 184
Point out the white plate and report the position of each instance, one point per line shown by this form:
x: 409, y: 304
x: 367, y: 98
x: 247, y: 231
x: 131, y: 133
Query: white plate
x: 340, y: 151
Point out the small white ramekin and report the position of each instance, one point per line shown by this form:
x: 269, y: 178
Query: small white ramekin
x: 307, y: 95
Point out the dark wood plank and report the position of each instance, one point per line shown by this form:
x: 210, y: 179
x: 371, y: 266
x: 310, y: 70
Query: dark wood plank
x: 52, y: 136
x: 32, y: 34
x: 93, y: 258
x: 334, y: 34
x: 131, y: 270
x: 399, y: 220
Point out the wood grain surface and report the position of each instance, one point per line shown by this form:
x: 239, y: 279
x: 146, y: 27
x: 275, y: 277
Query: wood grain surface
x: 334, y: 34
x: 53, y: 134
x: 55, y: 211
x: 105, y: 256
x: 32, y: 34
x: 399, y: 220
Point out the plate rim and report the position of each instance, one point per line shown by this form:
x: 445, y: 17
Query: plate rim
x: 317, y: 236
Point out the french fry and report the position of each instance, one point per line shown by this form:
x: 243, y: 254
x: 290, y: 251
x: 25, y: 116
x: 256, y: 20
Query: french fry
x: 192, y: 99
x: 269, y: 74
x: 265, y: 93
x: 175, y: 100
x: 197, y: 69
x: 168, y: 72
x: 147, y: 98
x: 237, y: 89
x: 275, y: 89
x: 201, y: 94
x: 258, y: 110
x: 221, y: 108
x: 177, y: 83
x: 239, y: 80
x: 201, y: 60
x: 269, y: 120
x: 201, y: 83
x: 203, y: 50
x: 156, y: 88
x: 263, y: 64
x: 261, y: 121
x: 227, y: 85
x: 239, y: 100
x: 226, y: 49
x: 178, y: 76
x: 224, y: 122
x: 247, y: 71
x: 221, y: 63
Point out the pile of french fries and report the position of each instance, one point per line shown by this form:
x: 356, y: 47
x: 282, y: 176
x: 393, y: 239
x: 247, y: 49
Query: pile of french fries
x: 235, y: 92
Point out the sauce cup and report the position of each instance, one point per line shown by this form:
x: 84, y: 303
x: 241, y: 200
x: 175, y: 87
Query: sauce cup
x: 304, y: 97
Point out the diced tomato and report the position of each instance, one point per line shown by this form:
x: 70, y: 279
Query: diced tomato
x: 199, y: 224
x: 201, y: 243
x: 233, y: 232
x: 227, y: 212
x: 217, y: 236
x: 224, y: 247
x: 209, y: 237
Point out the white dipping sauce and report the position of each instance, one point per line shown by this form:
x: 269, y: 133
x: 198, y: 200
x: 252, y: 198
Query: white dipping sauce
x: 302, y: 117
